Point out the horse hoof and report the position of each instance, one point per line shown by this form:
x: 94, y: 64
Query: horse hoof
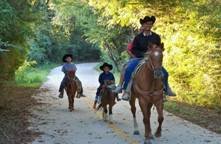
x: 71, y: 109
x: 149, y: 141
x: 157, y: 135
x: 136, y: 132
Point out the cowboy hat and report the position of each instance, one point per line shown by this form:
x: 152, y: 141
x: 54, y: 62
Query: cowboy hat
x: 106, y: 65
x: 67, y: 55
x: 147, y: 19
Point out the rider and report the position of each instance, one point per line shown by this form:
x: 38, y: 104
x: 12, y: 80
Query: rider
x: 69, y: 66
x: 139, y: 47
x: 105, y: 75
x: 131, y: 56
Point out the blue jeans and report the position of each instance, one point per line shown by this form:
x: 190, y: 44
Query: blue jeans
x: 98, y: 93
x: 165, y: 79
x: 63, y: 83
x: 131, y: 66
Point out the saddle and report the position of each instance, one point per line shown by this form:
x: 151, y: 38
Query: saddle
x: 141, y: 63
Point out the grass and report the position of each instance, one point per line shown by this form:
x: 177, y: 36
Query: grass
x: 203, y: 116
x: 33, y: 76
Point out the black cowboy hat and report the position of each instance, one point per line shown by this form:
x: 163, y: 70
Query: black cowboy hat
x: 67, y: 55
x: 147, y: 19
x: 106, y: 65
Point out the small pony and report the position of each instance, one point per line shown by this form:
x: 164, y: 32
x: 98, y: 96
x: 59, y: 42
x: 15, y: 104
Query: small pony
x: 147, y: 86
x: 107, y: 98
x: 71, y: 89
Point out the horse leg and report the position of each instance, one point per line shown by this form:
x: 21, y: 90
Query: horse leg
x: 105, y: 113
x: 148, y: 136
x: 73, y: 101
x: 110, y: 113
x: 159, y: 107
x: 69, y: 102
x: 146, y: 110
x: 98, y: 107
x: 133, y: 110
x: 71, y: 107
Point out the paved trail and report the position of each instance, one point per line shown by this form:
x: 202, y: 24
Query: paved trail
x: 84, y: 126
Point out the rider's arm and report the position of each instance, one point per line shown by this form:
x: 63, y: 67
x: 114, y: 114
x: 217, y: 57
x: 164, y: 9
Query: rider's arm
x: 112, y: 78
x: 100, y: 79
x: 74, y: 68
x: 63, y: 69
x: 135, y: 50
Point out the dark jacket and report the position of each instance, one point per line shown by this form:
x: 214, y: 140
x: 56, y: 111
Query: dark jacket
x: 105, y: 76
x: 140, y: 43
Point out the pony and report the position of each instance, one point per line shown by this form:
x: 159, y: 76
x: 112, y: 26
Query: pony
x: 147, y: 86
x: 71, y: 89
x: 107, y: 99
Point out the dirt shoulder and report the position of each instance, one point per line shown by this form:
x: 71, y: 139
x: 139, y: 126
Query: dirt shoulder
x: 15, y: 103
x: 205, y: 117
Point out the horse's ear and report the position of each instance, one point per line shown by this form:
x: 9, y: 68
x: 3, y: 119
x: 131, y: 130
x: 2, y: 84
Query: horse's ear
x: 162, y: 46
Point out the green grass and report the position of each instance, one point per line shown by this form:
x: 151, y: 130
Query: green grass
x: 33, y: 76
x: 177, y: 108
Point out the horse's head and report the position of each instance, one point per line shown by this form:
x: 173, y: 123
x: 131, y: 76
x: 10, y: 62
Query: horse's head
x: 71, y: 74
x: 155, y: 58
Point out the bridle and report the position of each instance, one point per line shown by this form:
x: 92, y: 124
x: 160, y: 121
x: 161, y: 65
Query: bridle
x: 157, y: 71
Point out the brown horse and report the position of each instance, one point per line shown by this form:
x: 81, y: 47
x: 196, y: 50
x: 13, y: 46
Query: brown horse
x: 71, y: 89
x: 147, y: 86
x: 107, y: 98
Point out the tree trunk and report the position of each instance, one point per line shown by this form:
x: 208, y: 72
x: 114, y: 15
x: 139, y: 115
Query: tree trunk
x: 112, y: 56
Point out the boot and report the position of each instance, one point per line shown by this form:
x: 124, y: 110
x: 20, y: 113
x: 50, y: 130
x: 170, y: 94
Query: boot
x: 118, y: 99
x: 126, y: 96
x: 170, y: 92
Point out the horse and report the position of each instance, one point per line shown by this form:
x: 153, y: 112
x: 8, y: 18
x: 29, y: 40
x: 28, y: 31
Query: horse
x: 107, y: 99
x: 147, y: 86
x: 71, y: 89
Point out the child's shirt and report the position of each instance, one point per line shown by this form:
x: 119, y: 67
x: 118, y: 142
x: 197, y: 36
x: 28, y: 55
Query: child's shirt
x: 105, y: 76
x: 68, y: 67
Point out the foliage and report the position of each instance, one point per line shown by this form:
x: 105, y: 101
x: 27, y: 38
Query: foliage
x: 43, y: 31
x: 30, y: 75
x: 191, y: 33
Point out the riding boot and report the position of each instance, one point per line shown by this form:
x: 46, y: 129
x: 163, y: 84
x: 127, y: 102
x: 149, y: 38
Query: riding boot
x: 126, y: 96
x: 95, y: 104
x: 170, y: 92
x: 118, y: 99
